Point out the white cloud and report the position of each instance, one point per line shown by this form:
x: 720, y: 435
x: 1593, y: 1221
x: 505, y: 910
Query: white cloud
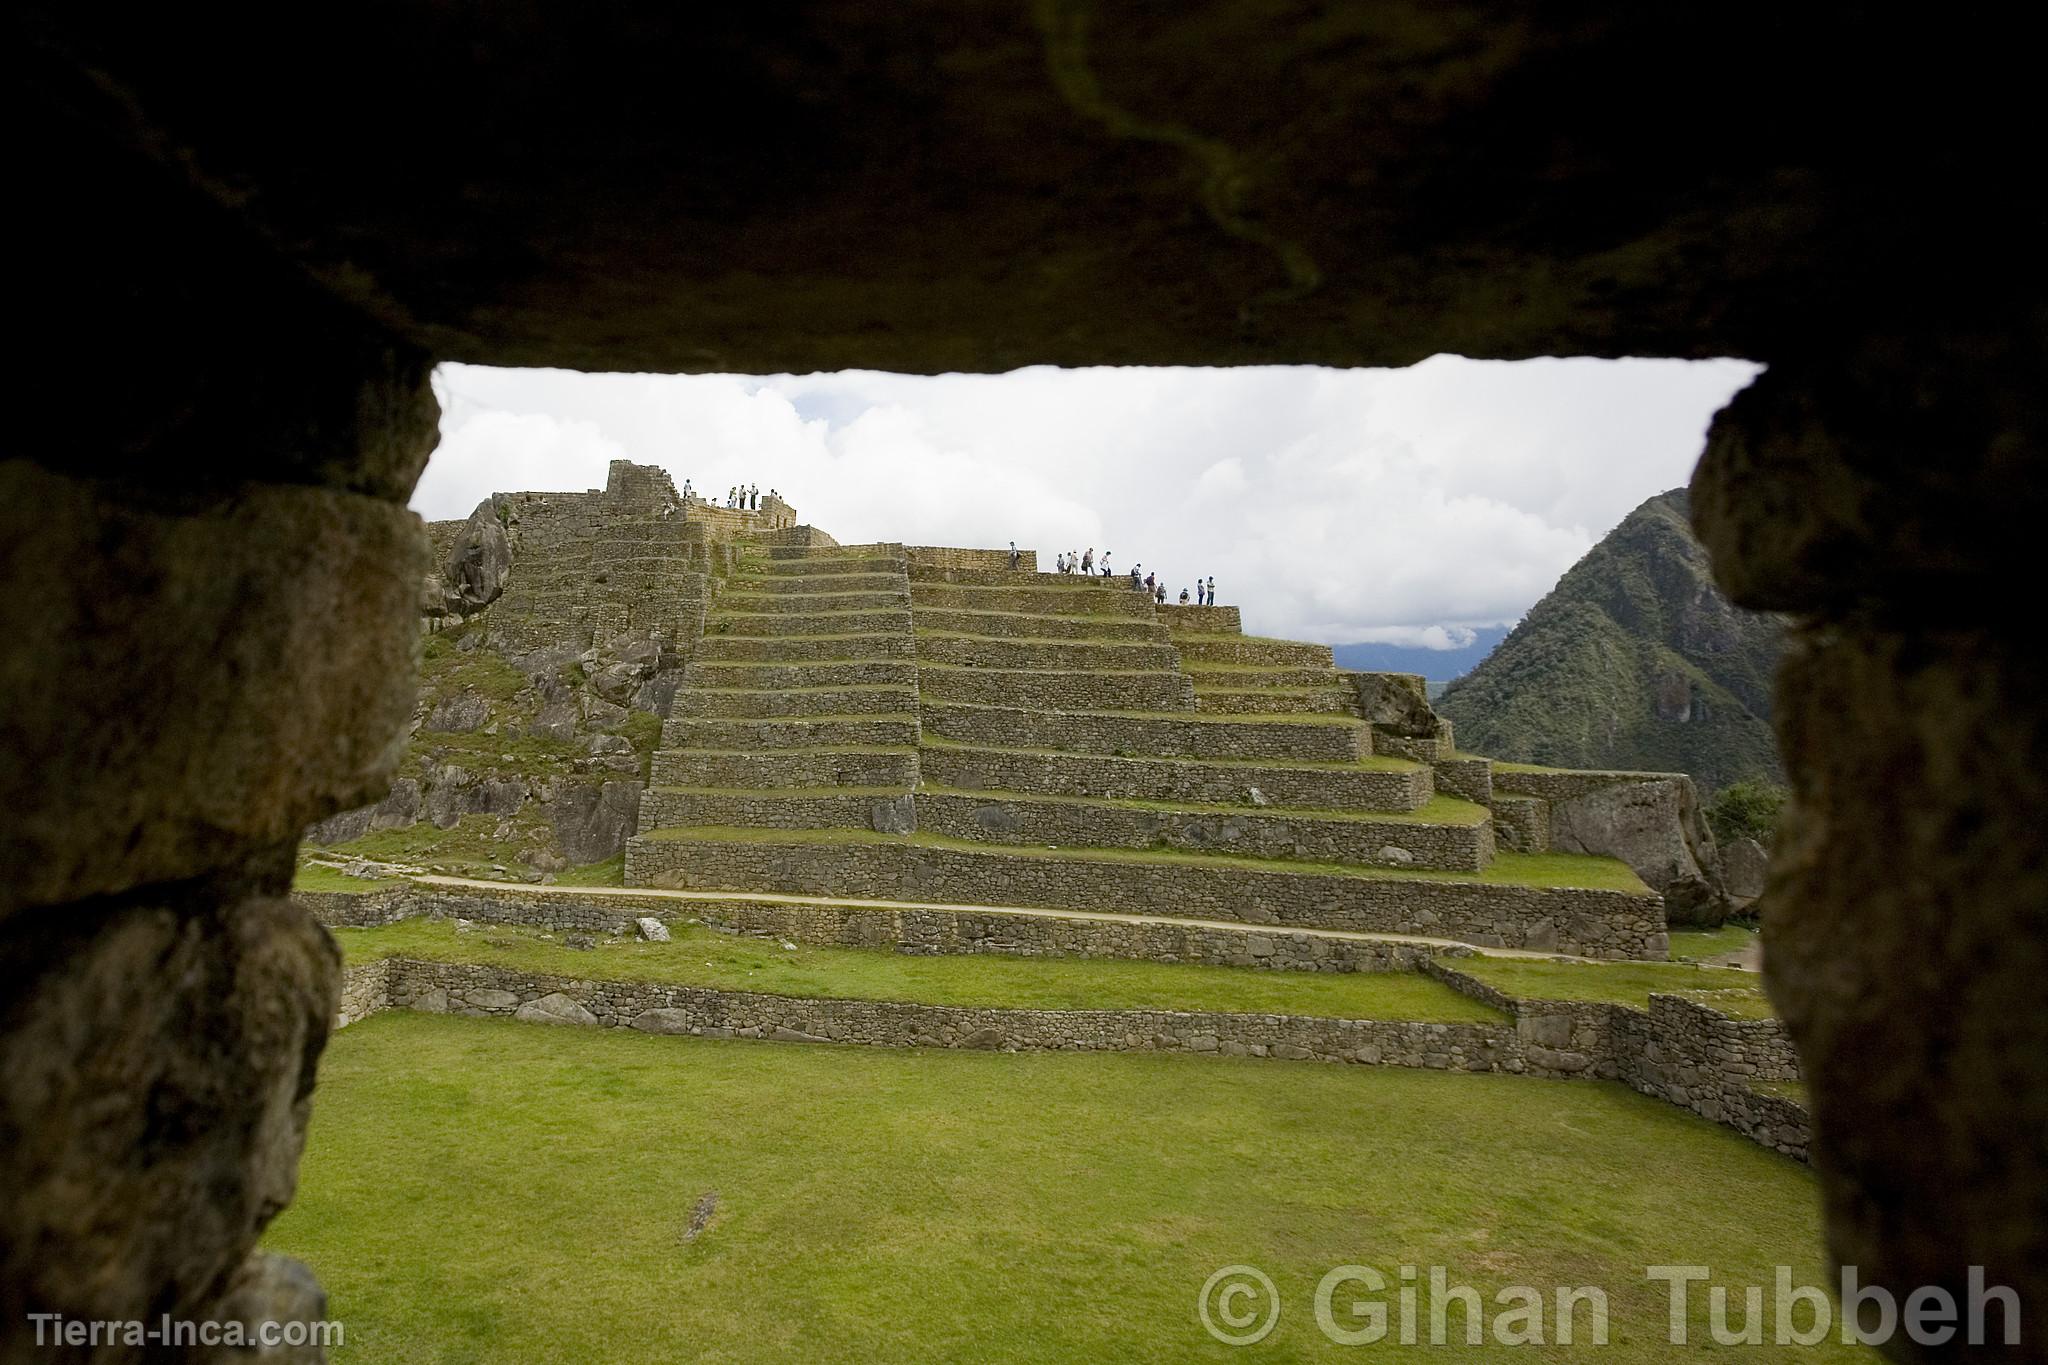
x: 1331, y: 505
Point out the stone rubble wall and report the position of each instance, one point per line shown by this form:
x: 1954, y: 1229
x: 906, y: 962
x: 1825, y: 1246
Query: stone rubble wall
x: 790, y: 534
x: 901, y: 929
x: 790, y: 732
x: 365, y: 990
x: 1151, y: 736
x: 470, y: 989
x: 1251, y: 649
x: 717, y: 648
x: 761, y: 771
x: 795, y: 810
x: 1039, y: 688
x: 940, y: 622
x: 950, y: 557
x: 971, y: 652
x: 1030, y: 773
x: 1250, y: 832
x: 1677, y: 1050
x: 1103, y: 597
x: 1585, y: 923
x: 1192, y: 620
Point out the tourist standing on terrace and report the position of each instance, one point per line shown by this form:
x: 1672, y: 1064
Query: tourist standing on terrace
x: 1088, y: 561
x: 1014, y: 556
x: 1212, y: 590
x: 1105, y: 563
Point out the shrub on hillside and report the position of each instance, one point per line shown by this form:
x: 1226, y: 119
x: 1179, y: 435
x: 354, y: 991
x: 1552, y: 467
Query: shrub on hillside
x: 1746, y: 810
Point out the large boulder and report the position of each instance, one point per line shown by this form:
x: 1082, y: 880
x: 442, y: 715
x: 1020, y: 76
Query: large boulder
x: 592, y: 822
x: 400, y: 809
x: 1397, y: 704
x: 1655, y: 826
x: 479, y: 560
x: 1744, y: 864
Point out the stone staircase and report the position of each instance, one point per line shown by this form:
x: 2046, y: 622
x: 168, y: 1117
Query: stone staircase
x: 861, y: 723
x: 798, y: 710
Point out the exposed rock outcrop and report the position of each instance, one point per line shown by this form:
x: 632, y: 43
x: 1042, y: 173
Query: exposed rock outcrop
x: 1656, y: 827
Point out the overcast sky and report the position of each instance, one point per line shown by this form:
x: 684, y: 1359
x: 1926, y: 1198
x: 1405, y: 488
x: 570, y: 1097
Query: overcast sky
x: 1403, y: 506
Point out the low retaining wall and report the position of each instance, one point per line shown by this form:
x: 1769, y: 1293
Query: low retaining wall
x: 1036, y: 773
x: 1584, y: 923
x: 470, y: 989
x: 1677, y: 1050
x: 1004, y: 819
x: 1058, y: 690
x: 1096, y: 732
x: 1201, y: 620
x: 949, y: 557
x: 908, y: 930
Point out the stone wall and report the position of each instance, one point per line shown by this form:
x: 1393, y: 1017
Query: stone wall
x: 795, y: 536
x: 1200, y: 620
x: 1155, y: 736
x: 951, y: 557
x: 1587, y: 923
x: 365, y: 990
x: 1676, y: 1050
x: 1031, y: 772
x: 1251, y: 832
x: 908, y: 930
x: 464, y: 988
x: 1069, y: 690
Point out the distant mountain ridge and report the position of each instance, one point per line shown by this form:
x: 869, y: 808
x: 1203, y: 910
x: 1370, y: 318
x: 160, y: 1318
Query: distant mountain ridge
x: 1438, y: 665
x: 1634, y: 660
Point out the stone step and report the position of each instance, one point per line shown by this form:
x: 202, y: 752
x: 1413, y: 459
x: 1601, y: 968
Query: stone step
x: 1458, y: 839
x: 1016, y: 625
x: 812, y: 585
x: 1272, y: 701
x: 730, y: 603
x: 1334, y: 739
x: 758, y: 703
x: 708, y: 732
x: 1059, y: 690
x: 1113, y: 597
x: 985, y: 652
x: 1225, y: 678
x: 1379, y: 785
x: 870, y: 808
x: 763, y: 770
x: 1252, y: 649
x: 933, y: 869
x: 725, y: 675
x: 824, y: 647
x: 895, y: 622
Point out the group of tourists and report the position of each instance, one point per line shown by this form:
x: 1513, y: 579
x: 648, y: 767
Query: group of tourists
x: 1084, y: 564
x: 1203, y: 594
x: 745, y: 497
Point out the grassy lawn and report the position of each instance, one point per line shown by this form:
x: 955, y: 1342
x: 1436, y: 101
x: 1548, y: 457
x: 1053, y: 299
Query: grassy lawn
x: 1694, y: 944
x: 327, y: 879
x: 486, y: 1191
x: 704, y: 957
x: 1627, y: 983
x: 1514, y: 869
